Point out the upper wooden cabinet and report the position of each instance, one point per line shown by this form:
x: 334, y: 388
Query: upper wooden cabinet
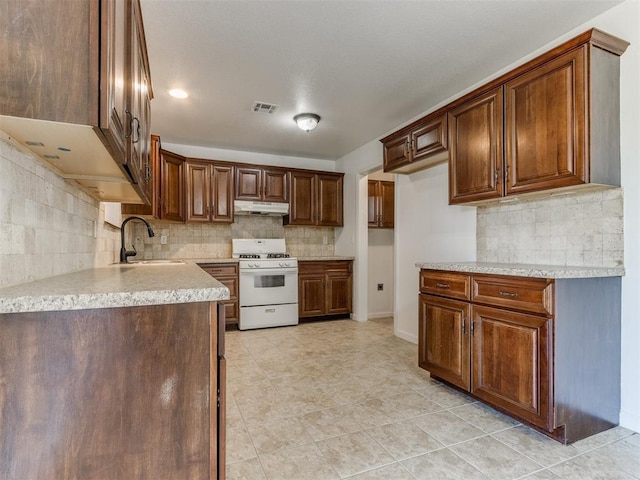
x: 561, y: 121
x: 90, y: 70
x: 172, y: 191
x: 475, y: 156
x: 418, y: 146
x: 262, y: 184
x: 381, y: 204
x: 316, y: 199
x: 209, y: 192
x: 152, y: 209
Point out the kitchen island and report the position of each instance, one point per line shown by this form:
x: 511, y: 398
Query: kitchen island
x: 539, y: 342
x: 114, y: 372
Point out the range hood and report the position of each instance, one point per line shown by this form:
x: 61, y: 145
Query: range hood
x: 247, y: 207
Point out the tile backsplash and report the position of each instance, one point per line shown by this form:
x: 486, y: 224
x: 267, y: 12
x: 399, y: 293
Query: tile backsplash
x: 48, y: 226
x: 581, y: 229
x: 208, y: 240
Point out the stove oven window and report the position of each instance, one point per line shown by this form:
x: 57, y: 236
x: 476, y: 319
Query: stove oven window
x: 268, y: 281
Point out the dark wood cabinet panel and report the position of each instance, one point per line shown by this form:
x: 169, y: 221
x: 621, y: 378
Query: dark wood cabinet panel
x: 90, y: 70
x: 325, y: 287
x: 531, y: 295
x: 209, y: 190
x: 316, y: 199
x: 153, y: 209
x: 227, y: 274
x: 111, y: 393
x: 381, y: 204
x: 475, y: 149
x: 546, y: 118
x: 262, y: 184
x: 443, y: 337
x: 416, y: 147
x: 512, y: 360
x: 172, y: 186
x: 446, y: 284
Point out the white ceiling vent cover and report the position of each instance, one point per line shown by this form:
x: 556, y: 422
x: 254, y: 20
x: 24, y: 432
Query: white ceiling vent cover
x: 263, y: 107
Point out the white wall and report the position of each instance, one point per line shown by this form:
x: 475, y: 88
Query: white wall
x: 428, y: 229
x: 249, y: 157
x: 380, y: 270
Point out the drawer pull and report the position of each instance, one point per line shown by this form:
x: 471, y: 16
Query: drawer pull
x: 507, y: 294
x: 442, y: 285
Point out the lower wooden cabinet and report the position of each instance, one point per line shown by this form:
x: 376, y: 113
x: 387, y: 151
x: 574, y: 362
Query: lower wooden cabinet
x: 324, y: 287
x: 546, y: 351
x: 227, y: 274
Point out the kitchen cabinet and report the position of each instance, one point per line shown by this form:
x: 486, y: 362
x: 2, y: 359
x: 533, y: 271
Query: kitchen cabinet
x: 261, y: 184
x: 119, y: 393
x: 417, y: 146
x: 227, y: 274
x: 172, y: 186
x: 545, y: 351
x: 324, y: 287
x: 560, y: 113
x: 209, y: 192
x: 80, y: 92
x: 476, y: 158
x: 381, y: 204
x: 153, y: 209
x: 316, y: 199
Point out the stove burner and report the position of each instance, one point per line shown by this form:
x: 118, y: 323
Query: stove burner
x: 248, y: 255
x: 278, y: 255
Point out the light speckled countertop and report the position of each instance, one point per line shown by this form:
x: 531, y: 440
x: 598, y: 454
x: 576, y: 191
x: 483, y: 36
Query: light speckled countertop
x: 115, y: 286
x: 526, y: 270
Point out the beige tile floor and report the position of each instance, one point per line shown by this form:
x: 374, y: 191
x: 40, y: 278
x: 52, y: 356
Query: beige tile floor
x: 344, y: 399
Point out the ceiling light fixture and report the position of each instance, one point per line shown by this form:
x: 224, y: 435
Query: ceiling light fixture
x: 177, y: 93
x: 307, y: 121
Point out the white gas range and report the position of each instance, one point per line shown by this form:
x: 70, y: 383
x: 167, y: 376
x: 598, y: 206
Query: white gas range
x: 268, y: 288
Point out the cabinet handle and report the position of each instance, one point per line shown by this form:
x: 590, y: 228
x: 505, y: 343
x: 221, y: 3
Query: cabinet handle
x: 496, y: 174
x: 473, y: 328
x: 130, y: 115
x: 405, y: 149
x: 136, y: 120
x: 508, y: 294
x: 464, y: 325
x: 442, y: 285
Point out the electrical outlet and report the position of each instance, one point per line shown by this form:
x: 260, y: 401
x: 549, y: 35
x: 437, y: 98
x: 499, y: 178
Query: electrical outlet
x: 325, y: 240
x: 380, y: 287
x: 163, y: 239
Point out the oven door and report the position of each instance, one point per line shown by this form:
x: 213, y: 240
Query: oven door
x: 268, y: 286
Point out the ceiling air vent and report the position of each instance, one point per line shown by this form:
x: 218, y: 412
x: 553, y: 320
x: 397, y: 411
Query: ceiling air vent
x: 263, y: 107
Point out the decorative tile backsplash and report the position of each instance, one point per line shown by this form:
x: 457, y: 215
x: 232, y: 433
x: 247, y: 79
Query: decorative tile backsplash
x: 208, y: 240
x: 47, y: 224
x: 581, y: 229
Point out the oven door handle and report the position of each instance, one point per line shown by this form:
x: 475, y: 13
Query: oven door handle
x: 258, y: 272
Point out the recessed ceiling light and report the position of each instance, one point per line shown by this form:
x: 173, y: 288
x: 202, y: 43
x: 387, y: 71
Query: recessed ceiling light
x: 177, y: 93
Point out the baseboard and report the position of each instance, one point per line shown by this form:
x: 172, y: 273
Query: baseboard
x: 406, y: 336
x: 375, y: 316
x: 630, y: 420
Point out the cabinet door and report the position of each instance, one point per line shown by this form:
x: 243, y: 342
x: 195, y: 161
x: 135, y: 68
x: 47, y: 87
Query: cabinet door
x: 329, y: 200
x: 222, y: 193
x: 546, y: 121
x: 396, y: 153
x: 429, y: 139
x: 275, y: 185
x: 373, y: 203
x: 172, y: 191
x: 443, y: 339
x: 153, y: 209
x: 386, y: 218
x: 475, y: 149
x: 302, y: 210
x: 198, y: 192
x: 248, y: 183
x: 338, y: 292
x: 311, y: 295
x: 512, y: 362
x: 138, y: 103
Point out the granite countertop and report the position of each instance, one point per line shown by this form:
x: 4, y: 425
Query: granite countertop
x: 334, y: 257
x: 526, y: 270
x: 115, y: 286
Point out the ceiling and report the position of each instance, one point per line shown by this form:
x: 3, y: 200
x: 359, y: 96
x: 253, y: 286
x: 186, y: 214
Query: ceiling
x: 364, y: 66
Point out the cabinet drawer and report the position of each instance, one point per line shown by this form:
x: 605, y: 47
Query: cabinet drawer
x: 445, y: 284
x: 518, y: 293
x: 220, y: 270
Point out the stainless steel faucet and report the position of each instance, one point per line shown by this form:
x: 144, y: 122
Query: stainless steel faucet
x: 124, y: 253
